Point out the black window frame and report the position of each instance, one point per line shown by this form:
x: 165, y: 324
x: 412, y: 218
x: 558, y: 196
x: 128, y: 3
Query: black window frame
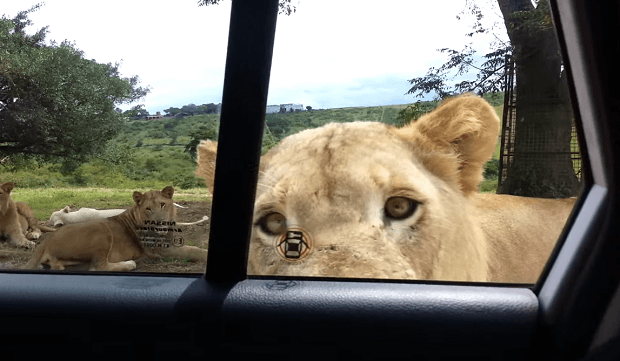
x: 558, y: 318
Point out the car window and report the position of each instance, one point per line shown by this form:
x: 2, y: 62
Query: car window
x: 374, y: 167
x: 91, y: 125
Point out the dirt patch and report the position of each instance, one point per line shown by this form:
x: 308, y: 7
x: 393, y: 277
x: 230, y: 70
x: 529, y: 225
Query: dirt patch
x: 195, y: 235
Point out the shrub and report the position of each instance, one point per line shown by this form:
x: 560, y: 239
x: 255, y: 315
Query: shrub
x: 185, y: 181
x: 491, y: 169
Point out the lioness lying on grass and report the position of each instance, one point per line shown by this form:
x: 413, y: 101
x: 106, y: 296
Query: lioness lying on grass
x: 375, y: 201
x: 114, y: 243
x: 17, y: 221
x: 65, y: 216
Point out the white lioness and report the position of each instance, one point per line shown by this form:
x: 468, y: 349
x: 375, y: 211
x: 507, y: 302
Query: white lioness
x: 112, y: 244
x: 17, y: 219
x: 65, y: 216
x: 375, y: 201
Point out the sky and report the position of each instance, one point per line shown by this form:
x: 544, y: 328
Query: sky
x: 329, y: 54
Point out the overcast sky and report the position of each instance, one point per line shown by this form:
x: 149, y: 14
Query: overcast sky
x: 329, y: 54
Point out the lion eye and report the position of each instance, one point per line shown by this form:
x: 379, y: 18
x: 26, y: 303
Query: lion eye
x: 400, y: 207
x: 273, y: 223
x: 148, y: 209
x: 163, y: 204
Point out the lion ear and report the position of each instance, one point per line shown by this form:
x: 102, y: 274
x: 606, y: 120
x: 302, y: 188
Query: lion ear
x: 168, y: 192
x: 137, y: 197
x: 466, y: 127
x: 207, y: 152
x: 66, y: 209
x: 8, y: 186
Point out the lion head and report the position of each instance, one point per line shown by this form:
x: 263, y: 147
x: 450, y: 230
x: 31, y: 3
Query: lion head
x: 5, y: 196
x: 155, y: 209
x: 370, y: 200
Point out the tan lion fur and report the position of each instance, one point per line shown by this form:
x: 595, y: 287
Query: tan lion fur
x: 113, y: 244
x: 334, y: 181
x: 17, y: 221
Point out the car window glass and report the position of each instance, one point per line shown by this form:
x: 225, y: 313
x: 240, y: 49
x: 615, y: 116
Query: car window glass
x: 90, y: 126
x: 372, y: 168
x: 381, y: 171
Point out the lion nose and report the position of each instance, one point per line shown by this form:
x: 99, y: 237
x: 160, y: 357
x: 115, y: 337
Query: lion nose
x: 376, y: 228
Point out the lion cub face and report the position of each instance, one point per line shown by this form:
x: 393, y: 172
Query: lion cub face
x: 370, y: 200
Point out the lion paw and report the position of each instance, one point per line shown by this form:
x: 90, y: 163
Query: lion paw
x: 132, y: 264
x: 34, y: 234
x: 29, y: 244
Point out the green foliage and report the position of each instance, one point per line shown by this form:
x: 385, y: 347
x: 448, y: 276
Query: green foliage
x: 173, y: 139
x: 285, y: 5
x: 205, y: 131
x: 496, y: 99
x: 185, y: 181
x: 171, y: 124
x: 183, y: 260
x: 53, y: 101
x: 115, y: 154
x: 172, y: 111
x: 269, y: 140
x: 489, y: 79
x: 491, y: 169
x: 190, y: 109
x: 488, y: 186
x: 136, y: 112
x: 19, y: 162
x: 414, y: 111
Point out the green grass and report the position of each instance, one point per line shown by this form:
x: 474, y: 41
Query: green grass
x: 184, y: 260
x: 44, y: 201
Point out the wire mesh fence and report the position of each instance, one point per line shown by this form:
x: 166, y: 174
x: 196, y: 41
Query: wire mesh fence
x: 539, y: 142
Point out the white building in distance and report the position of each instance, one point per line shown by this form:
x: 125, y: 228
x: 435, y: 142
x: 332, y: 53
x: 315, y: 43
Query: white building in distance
x: 272, y: 109
x: 290, y: 107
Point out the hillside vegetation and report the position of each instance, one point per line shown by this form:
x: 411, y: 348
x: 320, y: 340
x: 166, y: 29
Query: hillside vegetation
x: 156, y: 153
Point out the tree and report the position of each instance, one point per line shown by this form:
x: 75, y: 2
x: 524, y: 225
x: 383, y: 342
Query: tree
x: 136, y: 112
x: 190, y: 109
x: 203, y: 109
x: 285, y: 5
x: 278, y: 125
x: 208, y: 131
x: 172, y: 111
x: 308, y: 108
x: 414, y: 111
x: 211, y: 108
x: 53, y: 101
x: 542, y: 164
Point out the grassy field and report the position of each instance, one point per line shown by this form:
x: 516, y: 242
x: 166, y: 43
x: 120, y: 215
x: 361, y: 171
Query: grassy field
x: 44, y: 201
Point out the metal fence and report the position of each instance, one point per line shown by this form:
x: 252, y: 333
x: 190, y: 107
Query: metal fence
x: 509, y: 124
